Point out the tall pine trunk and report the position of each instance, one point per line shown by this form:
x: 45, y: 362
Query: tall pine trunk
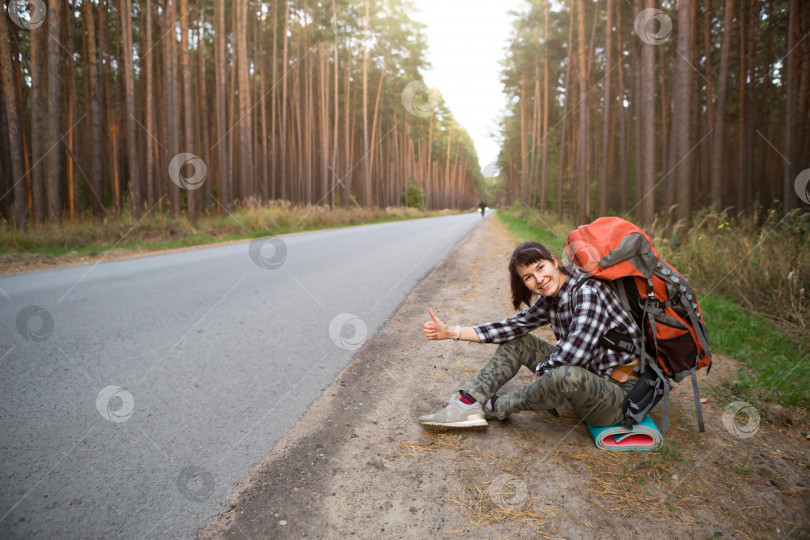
x: 647, y: 135
x: 544, y: 176
x: 53, y: 120
x: 622, y: 114
x: 14, y: 125
x: 261, y: 71
x: 245, y: 129
x: 150, y: 114
x: 283, y: 138
x: 38, y: 40
x: 188, y: 104
x: 274, y: 107
x: 336, y: 108
x: 789, y: 200
x: 366, y: 158
x: 224, y: 191
x: 582, y: 143
x: 524, y: 173
x: 607, y: 139
x: 129, y: 93
x: 202, y: 115
x: 566, y: 102
x: 171, y: 99
x: 376, y: 110
x: 681, y: 157
x: 719, y: 135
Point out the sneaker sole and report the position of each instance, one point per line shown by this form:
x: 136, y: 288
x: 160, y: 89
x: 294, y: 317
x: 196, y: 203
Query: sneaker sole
x: 467, y: 425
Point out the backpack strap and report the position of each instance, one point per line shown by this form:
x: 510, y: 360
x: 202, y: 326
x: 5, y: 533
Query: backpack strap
x: 613, y: 339
x: 698, y: 410
x: 622, y: 292
x: 651, y: 387
x: 665, y: 407
x: 690, y: 310
x: 648, y: 312
x: 658, y: 379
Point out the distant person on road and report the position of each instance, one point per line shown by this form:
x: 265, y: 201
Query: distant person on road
x: 482, y: 207
x: 576, y: 370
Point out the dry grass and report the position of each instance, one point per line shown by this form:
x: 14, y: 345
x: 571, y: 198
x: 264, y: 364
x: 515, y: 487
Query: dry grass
x: 733, y: 256
x: 160, y: 229
x: 432, y: 443
x: 282, y: 215
x: 482, y: 504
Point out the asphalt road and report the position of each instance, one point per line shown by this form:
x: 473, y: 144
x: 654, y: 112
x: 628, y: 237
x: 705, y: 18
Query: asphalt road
x: 134, y: 395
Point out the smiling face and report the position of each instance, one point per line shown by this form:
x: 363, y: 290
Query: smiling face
x: 542, y: 277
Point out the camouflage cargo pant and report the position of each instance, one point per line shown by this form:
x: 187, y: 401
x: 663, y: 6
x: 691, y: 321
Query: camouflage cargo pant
x: 596, y: 400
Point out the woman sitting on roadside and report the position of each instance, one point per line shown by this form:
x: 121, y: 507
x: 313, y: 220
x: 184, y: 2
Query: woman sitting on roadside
x: 576, y: 370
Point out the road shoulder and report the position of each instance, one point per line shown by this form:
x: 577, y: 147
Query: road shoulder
x: 358, y: 464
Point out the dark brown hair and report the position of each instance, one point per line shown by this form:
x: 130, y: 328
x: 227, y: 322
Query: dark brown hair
x: 527, y: 253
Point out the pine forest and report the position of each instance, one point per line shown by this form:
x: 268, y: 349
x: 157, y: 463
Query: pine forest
x: 631, y: 107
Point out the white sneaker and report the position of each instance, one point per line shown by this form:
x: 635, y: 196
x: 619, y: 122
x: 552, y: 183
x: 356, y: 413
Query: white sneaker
x: 456, y: 416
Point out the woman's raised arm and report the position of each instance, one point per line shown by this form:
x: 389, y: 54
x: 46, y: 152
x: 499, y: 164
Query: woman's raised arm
x: 436, y: 329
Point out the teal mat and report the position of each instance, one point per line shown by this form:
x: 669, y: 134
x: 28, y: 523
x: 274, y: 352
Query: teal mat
x: 644, y: 437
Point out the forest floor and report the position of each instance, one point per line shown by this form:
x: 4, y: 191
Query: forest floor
x: 358, y: 465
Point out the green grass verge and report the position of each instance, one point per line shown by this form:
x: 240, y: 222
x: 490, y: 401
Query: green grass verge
x: 529, y: 233
x: 775, y: 369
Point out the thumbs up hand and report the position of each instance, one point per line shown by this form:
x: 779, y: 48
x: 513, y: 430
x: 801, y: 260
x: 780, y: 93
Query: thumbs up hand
x: 436, y: 329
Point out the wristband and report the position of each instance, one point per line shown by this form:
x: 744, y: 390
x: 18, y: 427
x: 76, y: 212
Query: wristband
x: 458, y: 333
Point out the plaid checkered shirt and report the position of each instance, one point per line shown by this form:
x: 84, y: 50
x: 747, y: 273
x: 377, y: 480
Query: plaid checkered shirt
x: 577, y: 325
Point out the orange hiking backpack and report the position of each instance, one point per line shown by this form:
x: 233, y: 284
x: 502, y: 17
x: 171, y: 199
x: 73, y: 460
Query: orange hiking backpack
x: 674, y: 339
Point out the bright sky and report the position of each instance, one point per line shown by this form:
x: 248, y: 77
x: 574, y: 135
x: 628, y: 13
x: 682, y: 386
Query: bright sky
x: 466, y: 41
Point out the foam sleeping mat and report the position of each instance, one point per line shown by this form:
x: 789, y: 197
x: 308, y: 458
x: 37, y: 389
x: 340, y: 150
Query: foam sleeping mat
x: 643, y: 437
